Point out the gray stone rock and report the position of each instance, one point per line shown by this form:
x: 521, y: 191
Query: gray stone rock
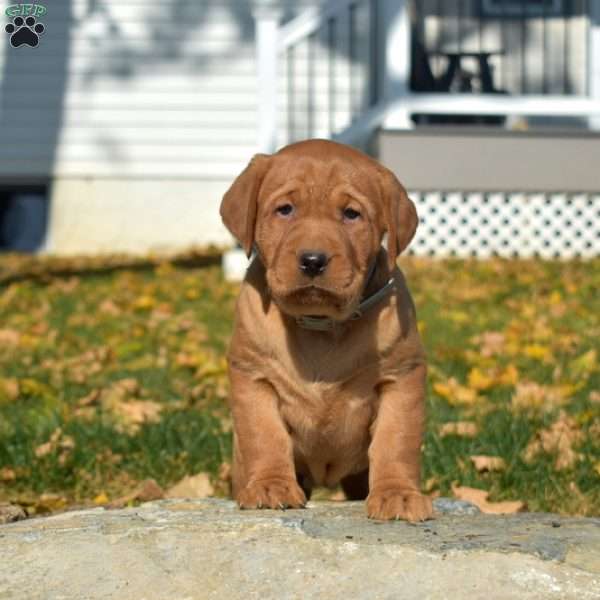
x: 196, y: 549
x: 451, y: 506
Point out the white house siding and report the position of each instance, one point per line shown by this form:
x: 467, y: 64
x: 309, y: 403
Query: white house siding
x: 140, y: 113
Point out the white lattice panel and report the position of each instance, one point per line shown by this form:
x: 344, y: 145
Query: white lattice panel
x: 507, y: 224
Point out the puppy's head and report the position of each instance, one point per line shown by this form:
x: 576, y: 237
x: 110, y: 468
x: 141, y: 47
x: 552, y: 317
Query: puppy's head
x: 317, y: 212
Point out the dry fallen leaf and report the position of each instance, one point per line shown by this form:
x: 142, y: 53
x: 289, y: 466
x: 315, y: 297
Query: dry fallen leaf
x: 480, y: 499
x: 7, y: 474
x: 488, y: 463
x: 66, y: 442
x: 49, y: 446
x: 527, y: 395
x: 460, y: 428
x: 192, y: 486
x: 431, y: 484
x: 10, y: 337
x: 100, y: 499
x: 108, y: 307
x: 67, y: 285
x: 338, y: 496
x: 129, y: 385
x: 484, y: 380
x: 144, y: 303
x: 225, y: 472
x: 490, y: 342
x: 147, y: 491
x: 226, y: 423
x: 559, y: 438
x: 531, y: 395
x: 455, y: 393
x: 89, y: 399
x: 120, y: 400
x: 44, y: 449
x: 537, y: 352
x: 49, y: 502
x: 85, y: 413
x: 57, y: 441
x: 478, y: 380
x: 136, y: 412
x: 583, y: 506
x: 584, y: 365
x: 9, y: 389
x: 222, y: 483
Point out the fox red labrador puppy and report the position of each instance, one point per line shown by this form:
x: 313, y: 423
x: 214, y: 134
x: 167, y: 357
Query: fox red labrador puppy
x: 326, y: 366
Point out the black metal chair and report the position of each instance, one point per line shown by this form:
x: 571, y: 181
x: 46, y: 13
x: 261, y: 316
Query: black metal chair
x: 454, y: 77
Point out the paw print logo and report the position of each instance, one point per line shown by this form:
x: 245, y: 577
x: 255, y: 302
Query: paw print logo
x: 24, y: 31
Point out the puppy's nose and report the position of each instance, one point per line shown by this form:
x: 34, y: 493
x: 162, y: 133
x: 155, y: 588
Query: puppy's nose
x: 313, y: 263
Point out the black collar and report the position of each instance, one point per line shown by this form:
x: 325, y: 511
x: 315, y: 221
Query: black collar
x: 319, y: 323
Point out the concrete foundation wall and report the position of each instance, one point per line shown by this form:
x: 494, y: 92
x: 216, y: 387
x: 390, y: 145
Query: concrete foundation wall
x: 463, y: 159
x: 136, y: 216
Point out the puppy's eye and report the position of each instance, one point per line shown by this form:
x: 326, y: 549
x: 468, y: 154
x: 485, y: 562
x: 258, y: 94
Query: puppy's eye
x: 284, y: 210
x: 351, y: 214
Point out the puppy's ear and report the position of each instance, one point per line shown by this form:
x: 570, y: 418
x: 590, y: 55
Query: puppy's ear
x: 400, y: 216
x: 239, y: 204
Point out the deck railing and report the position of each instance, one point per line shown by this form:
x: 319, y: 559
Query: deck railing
x: 329, y: 60
x: 373, y: 79
x: 397, y: 114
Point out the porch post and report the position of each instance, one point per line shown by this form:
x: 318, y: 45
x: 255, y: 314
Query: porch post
x: 267, y: 18
x: 594, y: 60
x: 396, y: 27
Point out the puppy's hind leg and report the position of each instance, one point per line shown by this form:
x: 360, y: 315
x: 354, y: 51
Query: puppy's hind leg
x: 306, y: 483
x: 356, y: 486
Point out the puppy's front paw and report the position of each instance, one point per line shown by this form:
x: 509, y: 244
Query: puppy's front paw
x: 272, y: 493
x: 398, y: 503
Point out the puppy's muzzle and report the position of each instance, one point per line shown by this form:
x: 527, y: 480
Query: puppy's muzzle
x: 313, y: 262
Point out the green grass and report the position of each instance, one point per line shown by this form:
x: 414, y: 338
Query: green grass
x: 67, y: 343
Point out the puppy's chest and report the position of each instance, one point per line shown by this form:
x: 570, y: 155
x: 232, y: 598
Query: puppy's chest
x: 339, y: 412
